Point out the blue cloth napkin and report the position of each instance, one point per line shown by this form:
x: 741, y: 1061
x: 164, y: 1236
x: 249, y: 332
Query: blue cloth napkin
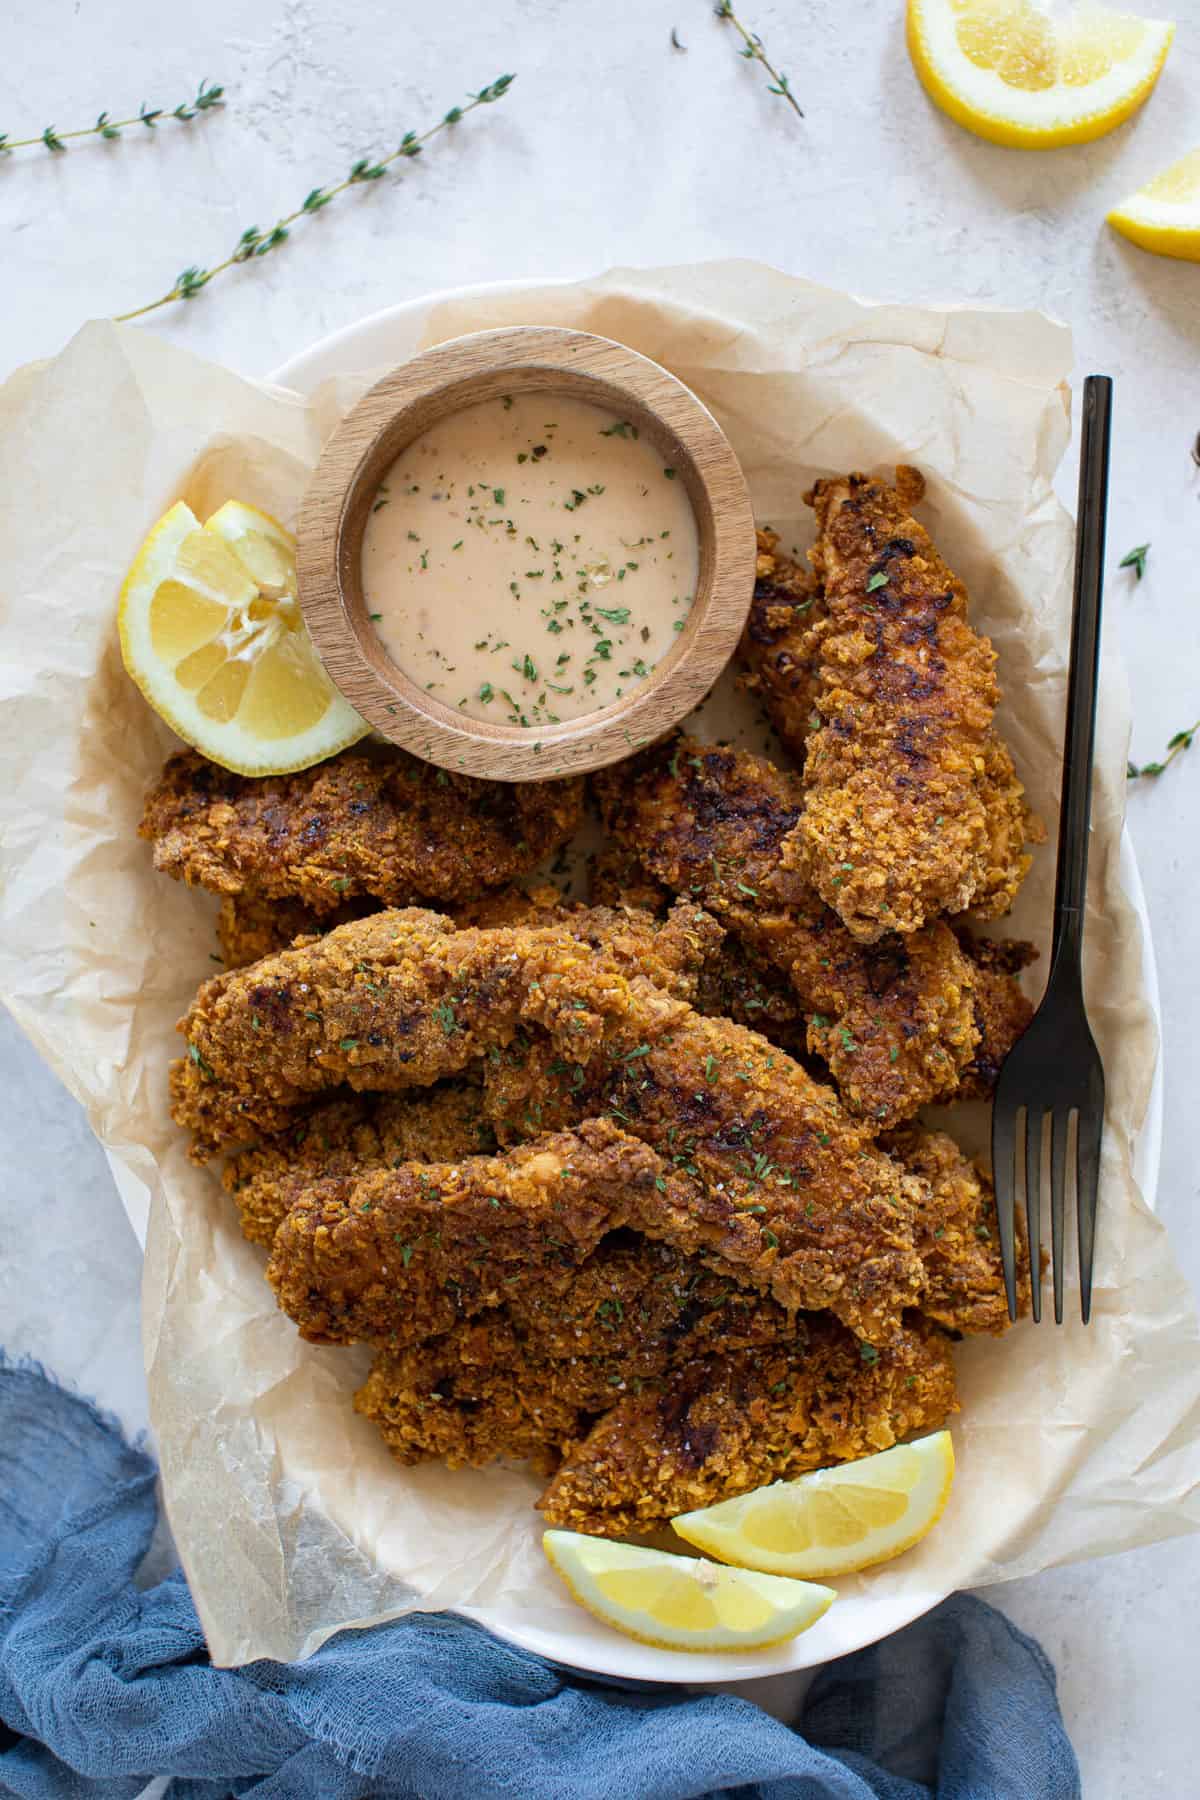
x: 104, y: 1685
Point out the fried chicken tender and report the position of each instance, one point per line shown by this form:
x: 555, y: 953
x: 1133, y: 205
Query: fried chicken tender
x: 893, y: 1020
x: 398, y: 1255
x: 348, y: 1137
x: 957, y: 1238
x: 618, y: 877
x: 395, y: 829
x: 736, y: 982
x: 1002, y: 1011
x: 473, y: 1232
x: 401, y: 999
x: 249, y: 928
x: 723, y: 1425
x: 825, y: 1220
x: 914, y: 807
x: 781, y: 645
x: 960, y: 1284
x: 523, y: 1378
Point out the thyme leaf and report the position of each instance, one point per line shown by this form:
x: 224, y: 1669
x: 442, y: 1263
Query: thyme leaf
x: 208, y: 95
x: 254, y: 243
x: 754, y: 50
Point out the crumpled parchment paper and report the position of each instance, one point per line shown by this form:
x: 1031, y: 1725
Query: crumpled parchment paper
x: 291, y: 1519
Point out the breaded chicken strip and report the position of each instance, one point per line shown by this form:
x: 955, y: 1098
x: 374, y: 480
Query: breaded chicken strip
x: 893, y: 1020
x: 723, y: 1425
x: 249, y: 928
x: 619, y: 877
x: 741, y: 984
x: 396, y: 1256
x: 401, y: 999
x: 827, y: 1220
x: 781, y: 645
x: 350, y: 1136
x: 392, y: 828
x: 828, y: 1230
x: 960, y: 1284
x: 522, y: 1379
x: 957, y: 1237
x: 1002, y: 1011
x: 736, y: 982
x: 914, y: 808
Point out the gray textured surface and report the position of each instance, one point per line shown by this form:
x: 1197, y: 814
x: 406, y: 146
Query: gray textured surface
x: 614, y: 148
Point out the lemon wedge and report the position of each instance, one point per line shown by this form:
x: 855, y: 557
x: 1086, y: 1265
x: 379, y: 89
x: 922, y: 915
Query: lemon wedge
x: 681, y: 1602
x: 212, y: 633
x: 1164, y: 216
x: 835, y: 1520
x: 1009, y: 71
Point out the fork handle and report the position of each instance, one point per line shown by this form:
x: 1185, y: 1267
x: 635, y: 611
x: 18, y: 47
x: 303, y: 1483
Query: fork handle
x: 1075, y: 816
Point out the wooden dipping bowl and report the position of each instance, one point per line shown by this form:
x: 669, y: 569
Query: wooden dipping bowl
x: 443, y: 380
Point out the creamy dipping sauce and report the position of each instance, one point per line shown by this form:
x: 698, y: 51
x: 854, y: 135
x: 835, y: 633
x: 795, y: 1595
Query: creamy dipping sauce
x: 530, y: 559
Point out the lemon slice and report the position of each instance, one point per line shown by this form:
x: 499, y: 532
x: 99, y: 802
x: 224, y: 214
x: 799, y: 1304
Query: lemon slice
x: 835, y: 1520
x: 680, y: 1602
x: 1164, y: 216
x: 212, y: 633
x: 1009, y: 71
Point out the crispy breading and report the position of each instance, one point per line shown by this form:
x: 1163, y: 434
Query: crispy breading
x: 249, y: 928
x: 401, y: 999
x: 827, y: 1219
x: 736, y: 982
x: 1002, y: 1011
x: 389, y: 827
x: 398, y: 1255
x: 523, y: 1378
x: 350, y: 1136
x: 756, y: 1174
x: 780, y: 647
x: 467, y: 1398
x: 723, y: 1425
x: 957, y: 1238
x: 619, y: 877
x: 893, y: 1020
x: 913, y: 805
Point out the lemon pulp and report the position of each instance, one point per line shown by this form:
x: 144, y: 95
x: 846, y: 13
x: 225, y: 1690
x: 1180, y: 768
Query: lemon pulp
x: 1012, y: 71
x: 212, y: 632
x: 682, y: 1602
x: 833, y: 1521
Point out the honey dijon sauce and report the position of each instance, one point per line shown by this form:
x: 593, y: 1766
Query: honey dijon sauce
x: 530, y: 559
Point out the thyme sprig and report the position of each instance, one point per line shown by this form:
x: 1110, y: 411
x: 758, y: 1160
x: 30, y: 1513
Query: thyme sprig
x: 1181, y: 741
x: 255, y: 243
x: 208, y: 95
x: 1135, y: 559
x: 754, y: 51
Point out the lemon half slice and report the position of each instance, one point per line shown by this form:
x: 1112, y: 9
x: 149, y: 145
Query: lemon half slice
x: 835, y: 1520
x: 680, y: 1602
x: 1009, y: 71
x: 1164, y: 216
x: 212, y: 633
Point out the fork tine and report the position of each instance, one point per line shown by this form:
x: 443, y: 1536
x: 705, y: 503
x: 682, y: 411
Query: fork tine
x: 1033, y: 1205
x: 1087, y: 1182
x: 1059, y: 1122
x: 1004, y: 1162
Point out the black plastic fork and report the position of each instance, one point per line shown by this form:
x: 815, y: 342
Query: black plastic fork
x: 1054, y: 1071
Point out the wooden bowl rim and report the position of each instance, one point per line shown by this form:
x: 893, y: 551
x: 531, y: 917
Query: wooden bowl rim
x: 372, y: 434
